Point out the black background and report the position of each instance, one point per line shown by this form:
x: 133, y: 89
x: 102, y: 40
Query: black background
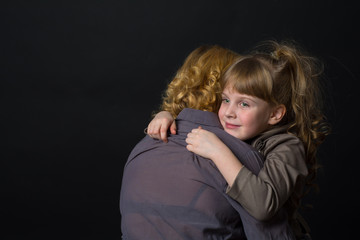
x: 80, y: 79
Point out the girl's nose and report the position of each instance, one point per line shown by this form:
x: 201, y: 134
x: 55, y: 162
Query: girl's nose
x: 230, y: 113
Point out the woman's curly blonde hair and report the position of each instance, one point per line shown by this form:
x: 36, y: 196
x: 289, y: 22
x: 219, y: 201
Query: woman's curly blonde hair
x: 196, y: 84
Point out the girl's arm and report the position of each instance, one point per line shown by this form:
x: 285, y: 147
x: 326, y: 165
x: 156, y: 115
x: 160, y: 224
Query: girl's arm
x: 160, y: 124
x: 208, y: 145
x: 263, y: 195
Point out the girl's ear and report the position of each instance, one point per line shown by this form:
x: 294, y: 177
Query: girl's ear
x: 277, y: 114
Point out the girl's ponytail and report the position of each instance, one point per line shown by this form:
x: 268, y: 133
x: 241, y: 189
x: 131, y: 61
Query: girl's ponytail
x: 296, y: 77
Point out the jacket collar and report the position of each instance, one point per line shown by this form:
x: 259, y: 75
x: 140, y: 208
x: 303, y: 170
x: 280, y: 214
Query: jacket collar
x: 258, y: 142
x: 199, y: 117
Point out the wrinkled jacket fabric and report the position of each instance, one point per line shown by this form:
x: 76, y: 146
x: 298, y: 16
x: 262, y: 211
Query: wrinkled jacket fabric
x: 280, y: 182
x: 170, y: 193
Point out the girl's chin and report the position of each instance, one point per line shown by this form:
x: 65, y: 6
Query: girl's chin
x: 233, y: 132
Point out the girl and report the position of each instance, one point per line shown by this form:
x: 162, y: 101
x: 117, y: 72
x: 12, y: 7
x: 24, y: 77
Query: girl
x: 271, y: 99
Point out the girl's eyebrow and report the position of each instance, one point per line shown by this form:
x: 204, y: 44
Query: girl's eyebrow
x: 254, y: 100
x: 243, y: 97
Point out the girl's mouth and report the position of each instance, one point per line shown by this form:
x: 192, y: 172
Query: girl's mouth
x: 231, y: 126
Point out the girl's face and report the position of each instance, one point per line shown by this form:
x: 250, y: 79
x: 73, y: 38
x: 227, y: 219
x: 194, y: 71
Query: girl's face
x: 243, y: 116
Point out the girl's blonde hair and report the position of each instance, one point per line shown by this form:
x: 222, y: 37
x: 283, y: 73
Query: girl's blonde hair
x: 196, y: 84
x: 280, y: 73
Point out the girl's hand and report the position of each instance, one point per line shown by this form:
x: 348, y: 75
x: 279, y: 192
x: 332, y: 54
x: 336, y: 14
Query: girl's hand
x: 204, y: 143
x: 160, y: 124
x: 208, y: 145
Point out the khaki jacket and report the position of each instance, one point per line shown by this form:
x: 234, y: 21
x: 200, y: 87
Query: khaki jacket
x: 280, y: 183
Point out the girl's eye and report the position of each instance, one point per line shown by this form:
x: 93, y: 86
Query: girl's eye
x: 226, y: 100
x: 244, y: 104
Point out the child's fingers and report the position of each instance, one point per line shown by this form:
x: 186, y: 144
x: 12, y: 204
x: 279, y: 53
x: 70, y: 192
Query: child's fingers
x: 163, y: 133
x: 173, y: 128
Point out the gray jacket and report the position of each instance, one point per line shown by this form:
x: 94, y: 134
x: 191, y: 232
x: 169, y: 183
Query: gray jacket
x: 169, y: 192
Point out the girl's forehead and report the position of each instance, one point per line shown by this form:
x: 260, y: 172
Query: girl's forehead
x: 233, y: 91
x: 230, y: 88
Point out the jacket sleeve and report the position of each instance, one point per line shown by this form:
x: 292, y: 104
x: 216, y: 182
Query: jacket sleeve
x: 263, y: 195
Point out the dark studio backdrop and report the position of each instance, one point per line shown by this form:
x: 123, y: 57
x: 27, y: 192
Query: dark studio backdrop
x: 79, y: 81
